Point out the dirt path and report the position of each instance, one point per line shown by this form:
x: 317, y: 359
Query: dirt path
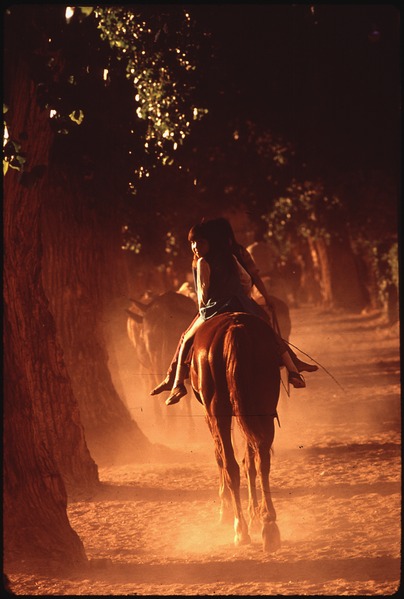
x: 153, y: 528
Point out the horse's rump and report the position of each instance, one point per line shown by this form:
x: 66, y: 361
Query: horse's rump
x: 252, y: 372
x: 236, y: 367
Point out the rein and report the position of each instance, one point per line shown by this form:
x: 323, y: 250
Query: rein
x: 277, y: 329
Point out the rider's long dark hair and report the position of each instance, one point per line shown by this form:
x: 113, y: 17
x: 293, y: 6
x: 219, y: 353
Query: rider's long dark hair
x: 196, y: 233
x: 220, y: 254
x: 222, y: 229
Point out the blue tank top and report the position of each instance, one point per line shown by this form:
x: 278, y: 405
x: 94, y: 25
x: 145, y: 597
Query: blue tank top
x: 225, y: 292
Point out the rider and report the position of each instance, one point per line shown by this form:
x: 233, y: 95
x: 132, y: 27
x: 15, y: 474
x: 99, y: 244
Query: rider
x: 222, y: 285
x: 223, y: 227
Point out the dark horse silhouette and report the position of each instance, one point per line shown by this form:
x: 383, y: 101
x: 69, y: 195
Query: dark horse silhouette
x: 154, y: 334
x: 235, y: 374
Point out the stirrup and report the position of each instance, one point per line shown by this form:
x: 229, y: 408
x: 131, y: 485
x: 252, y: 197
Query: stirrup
x: 178, y: 392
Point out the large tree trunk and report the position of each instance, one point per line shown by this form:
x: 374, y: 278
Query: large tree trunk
x: 37, y: 533
x: 44, y: 445
x: 82, y: 273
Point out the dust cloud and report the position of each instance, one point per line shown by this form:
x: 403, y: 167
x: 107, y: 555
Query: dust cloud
x: 350, y: 363
x: 153, y: 529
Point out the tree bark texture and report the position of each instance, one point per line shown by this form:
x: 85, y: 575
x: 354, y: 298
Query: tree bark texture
x: 44, y: 445
x: 83, y: 270
x: 36, y: 530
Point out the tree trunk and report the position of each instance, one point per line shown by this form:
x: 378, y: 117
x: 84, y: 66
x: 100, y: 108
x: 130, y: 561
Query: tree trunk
x: 37, y: 532
x: 82, y: 273
x: 44, y: 444
x: 340, y: 281
x: 320, y: 258
x: 347, y: 287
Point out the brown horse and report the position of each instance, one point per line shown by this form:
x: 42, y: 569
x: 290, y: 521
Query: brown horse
x: 235, y: 374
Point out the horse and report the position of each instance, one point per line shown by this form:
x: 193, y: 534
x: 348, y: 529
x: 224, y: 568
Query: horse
x: 235, y: 374
x: 154, y: 330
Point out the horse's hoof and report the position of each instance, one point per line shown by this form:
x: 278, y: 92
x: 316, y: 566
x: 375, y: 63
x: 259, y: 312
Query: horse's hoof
x: 241, y: 536
x: 242, y: 539
x: 271, y: 537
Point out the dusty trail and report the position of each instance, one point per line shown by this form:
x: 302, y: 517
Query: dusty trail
x: 153, y: 528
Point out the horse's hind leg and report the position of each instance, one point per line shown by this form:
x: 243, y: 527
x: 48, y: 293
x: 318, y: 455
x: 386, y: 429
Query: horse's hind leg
x: 225, y: 510
x: 231, y: 472
x: 251, y: 474
x: 270, y: 532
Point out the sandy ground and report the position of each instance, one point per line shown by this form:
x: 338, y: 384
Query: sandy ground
x: 336, y: 479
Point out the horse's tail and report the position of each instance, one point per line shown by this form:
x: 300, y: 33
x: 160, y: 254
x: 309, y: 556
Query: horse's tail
x: 252, y: 376
x: 238, y: 356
